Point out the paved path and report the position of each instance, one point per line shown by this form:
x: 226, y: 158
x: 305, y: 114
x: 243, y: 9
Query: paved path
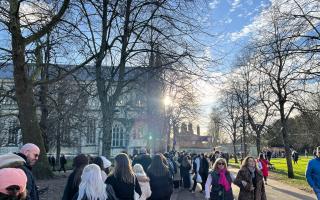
x: 275, y: 191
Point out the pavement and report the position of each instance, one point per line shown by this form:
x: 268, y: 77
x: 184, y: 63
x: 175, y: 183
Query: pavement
x: 275, y: 190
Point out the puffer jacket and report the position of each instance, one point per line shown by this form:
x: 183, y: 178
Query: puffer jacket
x: 144, y: 183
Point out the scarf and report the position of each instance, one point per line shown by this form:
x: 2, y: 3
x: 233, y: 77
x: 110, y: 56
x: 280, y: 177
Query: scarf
x: 223, y: 180
x: 252, y: 171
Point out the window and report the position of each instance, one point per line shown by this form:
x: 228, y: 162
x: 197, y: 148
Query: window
x: 13, y: 133
x: 91, y: 132
x: 119, y: 138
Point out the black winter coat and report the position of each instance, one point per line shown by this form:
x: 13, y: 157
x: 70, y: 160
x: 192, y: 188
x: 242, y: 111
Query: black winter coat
x: 72, y: 186
x: 161, y: 186
x: 31, y: 184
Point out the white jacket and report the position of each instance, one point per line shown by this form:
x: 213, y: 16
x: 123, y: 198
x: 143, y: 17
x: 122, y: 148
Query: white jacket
x: 144, y: 183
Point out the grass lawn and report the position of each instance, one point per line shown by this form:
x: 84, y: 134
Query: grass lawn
x: 280, y: 172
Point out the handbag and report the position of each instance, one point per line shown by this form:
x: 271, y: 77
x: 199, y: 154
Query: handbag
x: 198, y: 178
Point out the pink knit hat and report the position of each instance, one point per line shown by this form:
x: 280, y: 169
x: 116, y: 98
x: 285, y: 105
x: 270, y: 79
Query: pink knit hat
x: 12, y: 176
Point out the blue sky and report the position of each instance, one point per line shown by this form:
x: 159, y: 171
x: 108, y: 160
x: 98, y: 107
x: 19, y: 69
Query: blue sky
x: 231, y: 21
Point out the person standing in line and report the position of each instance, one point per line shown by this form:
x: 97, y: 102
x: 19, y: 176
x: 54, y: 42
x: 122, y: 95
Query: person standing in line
x: 62, y: 161
x: 177, y: 176
x: 13, y: 183
x: 263, y: 166
x: 250, y: 181
x: 98, y: 161
x: 123, y: 180
x: 313, y: 173
x: 53, y: 162
x: 218, y: 184
x: 143, y: 158
x: 196, y: 165
x: 185, y: 167
x: 91, y: 187
x: 72, y: 187
x: 204, y: 170
x: 143, y: 181
x: 161, y: 183
x: 106, y: 164
x: 30, y: 153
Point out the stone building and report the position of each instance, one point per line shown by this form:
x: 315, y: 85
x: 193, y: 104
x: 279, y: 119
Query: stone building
x: 137, y: 122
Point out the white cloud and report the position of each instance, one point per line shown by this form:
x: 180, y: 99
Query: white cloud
x: 243, y: 33
x: 228, y: 21
x: 213, y: 4
x: 234, y: 5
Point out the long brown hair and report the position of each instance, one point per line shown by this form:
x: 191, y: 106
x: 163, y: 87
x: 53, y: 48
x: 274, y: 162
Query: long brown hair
x: 158, y: 167
x: 245, y: 162
x: 123, y: 169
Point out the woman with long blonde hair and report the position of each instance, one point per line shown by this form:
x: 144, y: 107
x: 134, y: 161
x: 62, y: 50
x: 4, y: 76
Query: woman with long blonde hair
x: 218, y: 185
x: 123, y: 180
x: 91, y: 186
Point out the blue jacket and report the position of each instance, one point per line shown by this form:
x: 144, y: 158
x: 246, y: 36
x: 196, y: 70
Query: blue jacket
x: 313, y: 173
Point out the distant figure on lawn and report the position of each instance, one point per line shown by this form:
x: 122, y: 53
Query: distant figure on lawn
x: 295, y: 157
x: 63, y: 162
x: 313, y: 174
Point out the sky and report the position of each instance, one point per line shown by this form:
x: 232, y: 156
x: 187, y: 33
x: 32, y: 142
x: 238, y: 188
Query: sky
x: 231, y: 21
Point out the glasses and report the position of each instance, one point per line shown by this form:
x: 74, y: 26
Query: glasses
x: 220, y: 163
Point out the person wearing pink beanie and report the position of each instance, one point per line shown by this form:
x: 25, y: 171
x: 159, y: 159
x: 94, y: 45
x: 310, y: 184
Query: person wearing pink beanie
x: 13, y: 183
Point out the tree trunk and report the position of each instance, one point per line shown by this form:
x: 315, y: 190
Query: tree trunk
x: 43, y: 93
x: 235, y: 152
x: 58, y: 142
x: 258, y: 142
x: 285, y: 141
x: 30, y: 128
x: 244, y: 133
x: 107, y: 118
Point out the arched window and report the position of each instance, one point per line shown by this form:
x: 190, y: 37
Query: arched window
x: 119, y: 138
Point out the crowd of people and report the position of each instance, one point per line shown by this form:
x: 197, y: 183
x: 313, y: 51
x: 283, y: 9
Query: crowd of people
x: 143, y: 177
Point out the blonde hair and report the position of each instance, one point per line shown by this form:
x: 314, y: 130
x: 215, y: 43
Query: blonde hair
x: 215, y: 165
x: 92, y: 185
x: 138, y: 170
x: 123, y: 169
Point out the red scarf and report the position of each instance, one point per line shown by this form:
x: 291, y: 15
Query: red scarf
x: 223, y: 180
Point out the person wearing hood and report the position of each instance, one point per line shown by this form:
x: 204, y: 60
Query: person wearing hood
x: 250, y: 181
x: 144, y: 182
x: 30, y: 153
x: 313, y: 173
x: 106, y: 164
